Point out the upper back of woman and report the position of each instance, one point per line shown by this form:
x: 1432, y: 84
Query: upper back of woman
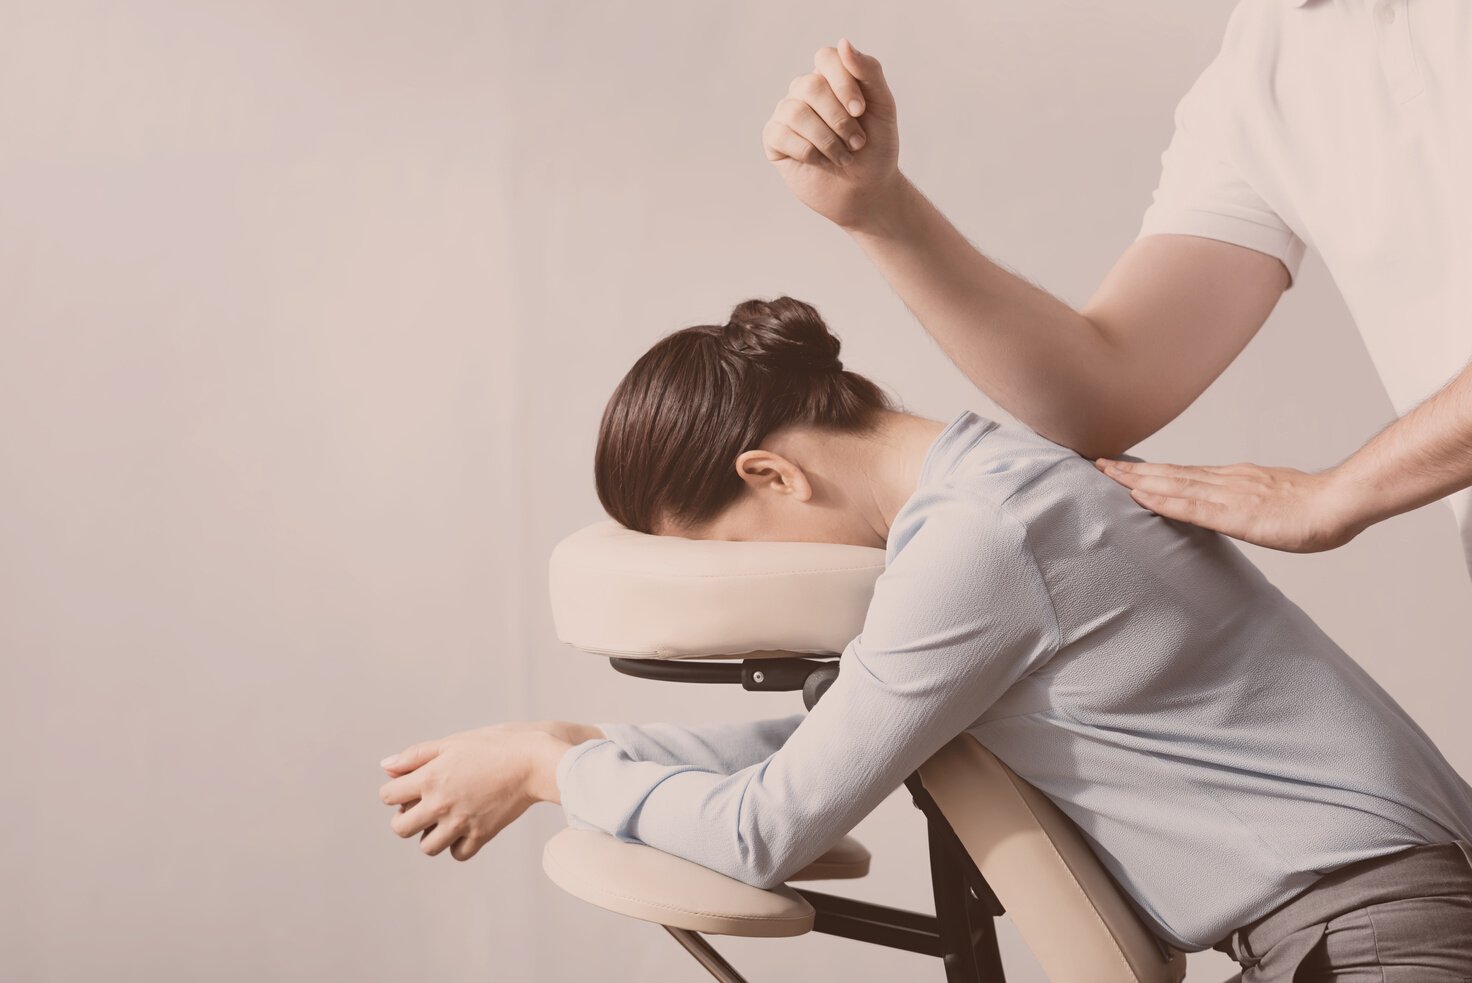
x: 1181, y: 677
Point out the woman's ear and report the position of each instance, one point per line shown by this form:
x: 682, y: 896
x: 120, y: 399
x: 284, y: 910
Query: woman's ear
x: 763, y: 471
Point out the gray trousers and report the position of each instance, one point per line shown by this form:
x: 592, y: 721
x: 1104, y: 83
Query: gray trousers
x: 1402, y: 918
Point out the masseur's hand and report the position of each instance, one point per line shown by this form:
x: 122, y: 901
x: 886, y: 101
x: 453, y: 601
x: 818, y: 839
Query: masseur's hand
x: 1280, y: 508
x: 835, y: 138
x: 461, y: 790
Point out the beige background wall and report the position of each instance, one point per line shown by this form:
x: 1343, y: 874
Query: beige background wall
x: 307, y: 312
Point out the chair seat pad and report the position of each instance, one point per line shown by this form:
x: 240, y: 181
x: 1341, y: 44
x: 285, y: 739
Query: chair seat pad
x: 641, y: 882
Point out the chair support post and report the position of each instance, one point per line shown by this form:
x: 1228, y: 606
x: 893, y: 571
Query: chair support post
x: 706, y: 955
x: 965, y: 906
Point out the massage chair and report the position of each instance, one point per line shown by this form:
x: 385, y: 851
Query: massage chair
x: 774, y: 616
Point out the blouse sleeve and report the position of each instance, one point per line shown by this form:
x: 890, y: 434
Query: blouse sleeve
x: 959, y: 615
x: 720, y: 748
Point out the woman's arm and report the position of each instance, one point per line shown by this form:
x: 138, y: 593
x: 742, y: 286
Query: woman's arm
x: 723, y: 748
x: 958, y: 617
x: 463, y: 789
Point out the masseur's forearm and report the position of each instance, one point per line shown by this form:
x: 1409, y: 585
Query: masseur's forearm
x: 1424, y: 456
x: 1031, y: 353
x: 1171, y: 314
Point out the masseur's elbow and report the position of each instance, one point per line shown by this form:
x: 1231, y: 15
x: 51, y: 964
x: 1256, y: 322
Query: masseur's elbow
x: 1096, y: 429
x: 1100, y: 399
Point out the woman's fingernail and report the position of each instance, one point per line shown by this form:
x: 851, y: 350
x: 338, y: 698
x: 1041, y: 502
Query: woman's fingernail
x: 855, y: 107
x: 389, y: 761
x: 856, y: 141
x: 846, y: 159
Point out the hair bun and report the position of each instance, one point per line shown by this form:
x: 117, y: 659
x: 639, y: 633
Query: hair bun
x: 782, y: 334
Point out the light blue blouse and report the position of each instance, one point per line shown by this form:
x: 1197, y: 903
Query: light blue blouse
x: 1216, y: 748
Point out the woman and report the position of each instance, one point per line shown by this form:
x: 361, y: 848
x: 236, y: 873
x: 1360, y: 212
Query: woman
x: 1221, y: 753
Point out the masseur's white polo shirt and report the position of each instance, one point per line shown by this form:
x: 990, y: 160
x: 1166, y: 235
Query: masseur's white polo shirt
x: 1344, y: 126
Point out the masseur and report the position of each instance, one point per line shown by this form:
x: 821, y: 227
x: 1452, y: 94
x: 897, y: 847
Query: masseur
x: 1219, y: 751
x: 1341, y: 125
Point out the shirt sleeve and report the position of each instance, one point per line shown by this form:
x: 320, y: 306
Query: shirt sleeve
x: 1201, y: 191
x: 959, y: 615
x: 721, y: 748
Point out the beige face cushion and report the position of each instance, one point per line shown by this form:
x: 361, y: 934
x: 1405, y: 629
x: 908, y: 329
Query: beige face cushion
x: 624, y: 593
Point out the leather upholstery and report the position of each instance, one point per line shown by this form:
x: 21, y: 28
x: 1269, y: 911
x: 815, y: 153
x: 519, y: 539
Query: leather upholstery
x: 641, y: 882
x: 624, y: 593
x: 1061, y: 899
x: 845, y: 860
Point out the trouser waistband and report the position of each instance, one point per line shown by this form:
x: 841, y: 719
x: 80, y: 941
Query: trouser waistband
x: 1417, y: 872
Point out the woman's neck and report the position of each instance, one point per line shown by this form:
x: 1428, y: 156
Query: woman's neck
x: 887, y: 463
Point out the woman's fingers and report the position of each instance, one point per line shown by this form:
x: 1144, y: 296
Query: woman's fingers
x: 403, y: 789
x: 466, y: 847
x: 804, y: 120
x: 415, y: 819
x: 410, y: 758
x: 441, y: 836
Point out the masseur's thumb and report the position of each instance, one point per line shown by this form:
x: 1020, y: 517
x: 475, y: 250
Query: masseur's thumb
x: 878, y: 100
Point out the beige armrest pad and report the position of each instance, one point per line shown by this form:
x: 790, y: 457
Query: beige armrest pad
x: 641, y: 882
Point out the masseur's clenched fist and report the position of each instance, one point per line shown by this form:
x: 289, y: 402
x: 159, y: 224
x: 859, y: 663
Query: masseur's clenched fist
x: 835, y: 138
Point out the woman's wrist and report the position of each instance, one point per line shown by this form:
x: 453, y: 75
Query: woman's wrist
x: 544, y: 753
x: 571, y: 732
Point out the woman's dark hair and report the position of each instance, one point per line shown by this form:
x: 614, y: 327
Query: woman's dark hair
x: 700, y: 397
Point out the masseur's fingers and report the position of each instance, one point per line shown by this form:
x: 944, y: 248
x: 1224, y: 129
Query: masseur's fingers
x: 866, y: 70
x: 848, y: 97
x: 1197, y: 511
x: 780, y: 141
x: 1183, y: 484
x: 804, y: 120
x: 817, y: 91
x: 1125, y: 471
x: 1280, y: 508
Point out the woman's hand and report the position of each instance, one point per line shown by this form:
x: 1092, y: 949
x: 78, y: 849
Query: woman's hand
x: 462, y: 790
x: 835, y: 140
